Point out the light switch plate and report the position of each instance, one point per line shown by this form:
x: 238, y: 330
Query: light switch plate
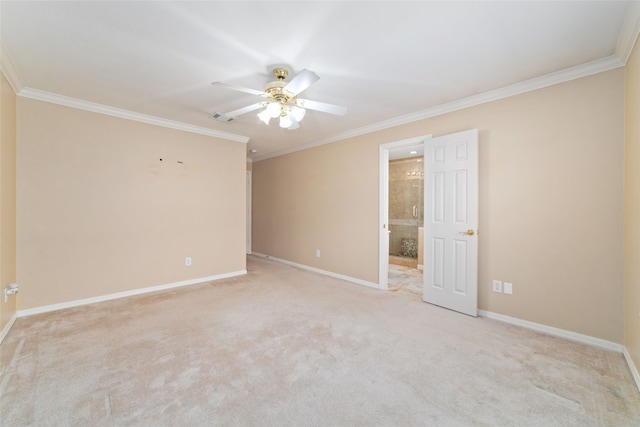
x: 508, y: 288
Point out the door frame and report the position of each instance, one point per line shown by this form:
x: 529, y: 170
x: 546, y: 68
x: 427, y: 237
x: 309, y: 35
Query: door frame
x: 383, y: 216
x: 249, y: 201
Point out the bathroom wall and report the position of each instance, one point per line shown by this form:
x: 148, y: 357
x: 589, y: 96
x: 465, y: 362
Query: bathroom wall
x: 406, y: 195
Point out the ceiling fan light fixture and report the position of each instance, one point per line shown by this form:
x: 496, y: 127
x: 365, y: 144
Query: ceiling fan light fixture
x: 285, y: 121
x: 298, y: 112
x: 265, y: 116
x: 294, y: 123
x: 282, y: 99
x: 274, y: 109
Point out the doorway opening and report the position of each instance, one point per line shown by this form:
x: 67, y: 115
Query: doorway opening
x: 402, y: 215
x: 406, y: 220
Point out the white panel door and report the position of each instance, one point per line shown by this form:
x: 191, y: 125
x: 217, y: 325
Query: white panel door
x: 451, y: 222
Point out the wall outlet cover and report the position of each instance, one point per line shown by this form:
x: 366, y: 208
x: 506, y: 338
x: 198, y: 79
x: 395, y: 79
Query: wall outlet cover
x: 497, y: 286
x: 508, y: 288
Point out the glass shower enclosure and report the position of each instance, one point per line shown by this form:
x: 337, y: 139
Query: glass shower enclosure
x: 406, y: 209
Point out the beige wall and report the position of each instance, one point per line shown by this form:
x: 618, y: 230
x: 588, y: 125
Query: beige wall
x: 551, y: 203
x: 7, y: 198
x: 324, y: 198
x: 632, y: 207
x: 100, y: 213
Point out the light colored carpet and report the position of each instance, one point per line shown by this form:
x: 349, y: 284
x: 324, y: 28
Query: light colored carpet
x: 285, y: 347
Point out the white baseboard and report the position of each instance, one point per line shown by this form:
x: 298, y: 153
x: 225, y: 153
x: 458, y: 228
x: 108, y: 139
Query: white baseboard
x: 7, y: 327
x: 573, y: 336
x: 317, y: 270
x: 76, y: 303
x: 632, y: 367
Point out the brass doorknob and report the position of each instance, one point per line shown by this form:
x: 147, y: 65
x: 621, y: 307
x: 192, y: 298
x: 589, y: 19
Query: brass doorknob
x: 469, y: 232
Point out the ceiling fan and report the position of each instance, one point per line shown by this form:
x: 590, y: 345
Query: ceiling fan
x: 281, y: 100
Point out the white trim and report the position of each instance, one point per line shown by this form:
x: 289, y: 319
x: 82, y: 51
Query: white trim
x: 317, y: 270
x: 80, y: 104
x: 568, y: 74
x: 249, y: 207
x: 632, y: 367
x: 117, y: 295
x: 9, y: 69
x: 383, y: 219
x: 549, y: 330
x: 629, y: 32
x: 7, y: 327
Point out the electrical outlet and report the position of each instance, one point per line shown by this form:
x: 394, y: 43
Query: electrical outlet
x: 317, y: 253
x: 497, y: 286
x: 187, y: 261
x: 508, y: 288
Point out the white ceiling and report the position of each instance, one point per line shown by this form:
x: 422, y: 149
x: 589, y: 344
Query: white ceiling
x: 388, y: 62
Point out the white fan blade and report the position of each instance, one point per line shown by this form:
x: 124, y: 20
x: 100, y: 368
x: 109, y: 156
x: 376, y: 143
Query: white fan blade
x: 303, y: 80
x: 321, y: 106
x: 239, y: 88
x: 245, y: 110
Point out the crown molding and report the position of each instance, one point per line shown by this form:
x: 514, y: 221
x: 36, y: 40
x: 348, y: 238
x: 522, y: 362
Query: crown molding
x: 9, y: 69
x: 629, y: 32
x: 568, y: 74
x: 67, y: 101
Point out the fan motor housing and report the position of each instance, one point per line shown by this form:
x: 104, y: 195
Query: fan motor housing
x: 276, y: 91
